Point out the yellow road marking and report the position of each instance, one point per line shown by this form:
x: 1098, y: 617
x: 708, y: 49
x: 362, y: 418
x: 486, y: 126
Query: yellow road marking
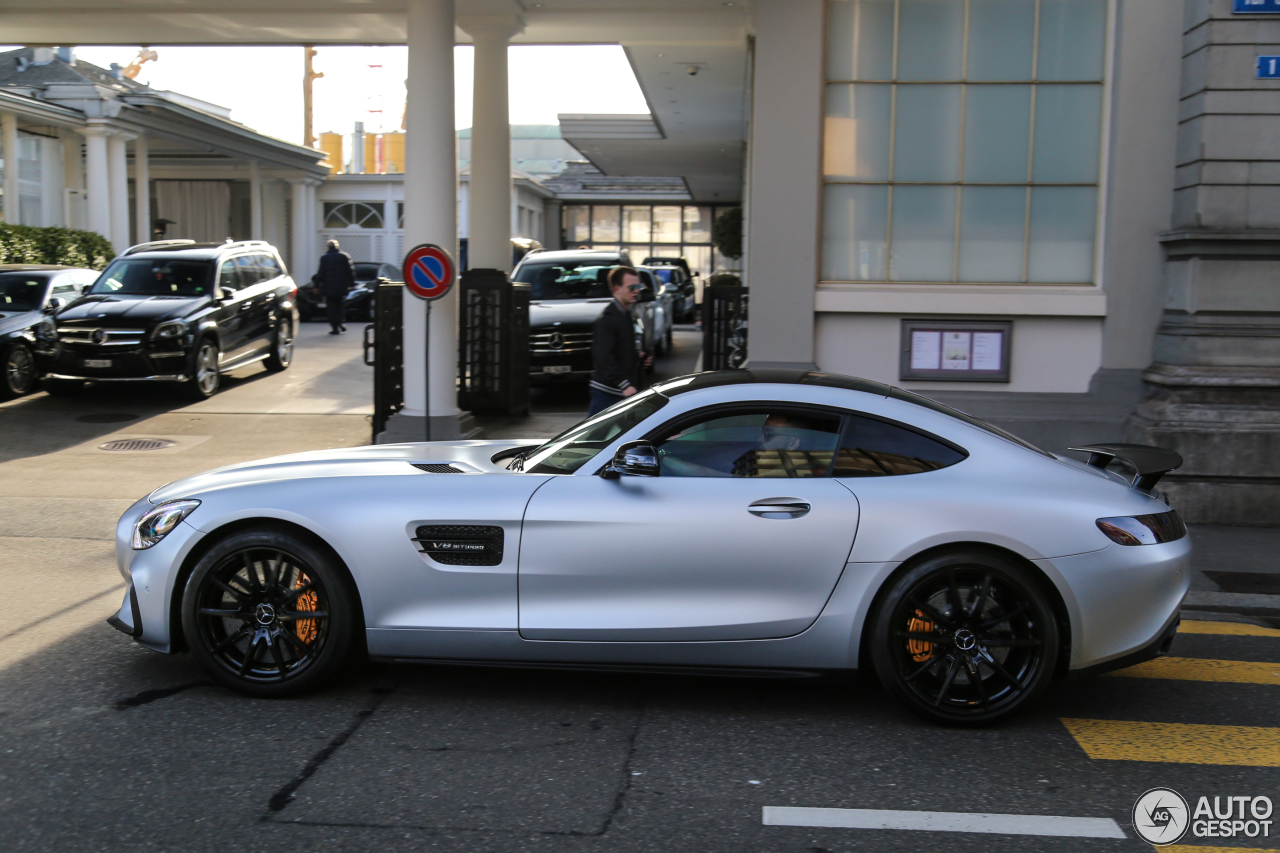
x: 1242, y: 629
x: 1192, y: 848
x: 1204, y: 669
x: 1177, y: 743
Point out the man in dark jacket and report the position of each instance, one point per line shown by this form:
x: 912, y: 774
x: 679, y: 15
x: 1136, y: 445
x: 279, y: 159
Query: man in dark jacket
x: 337, y: 275
x: 613, y: 344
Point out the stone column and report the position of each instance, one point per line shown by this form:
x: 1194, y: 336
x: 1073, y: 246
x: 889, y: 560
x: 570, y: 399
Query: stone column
x: 551, y: 225
x: 299, y: 220
x: 118, y: 184
x: 786, y: 169
x: 430, y: 216
x: 9, y: 148
x: 73, y: 179
x: 1214, y: 387
x: 97, y: 183
x: 489, y: 224
x: 142, y: 191
x: 255, y: 200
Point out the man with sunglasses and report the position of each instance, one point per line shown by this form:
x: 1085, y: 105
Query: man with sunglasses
x: 613, y: 344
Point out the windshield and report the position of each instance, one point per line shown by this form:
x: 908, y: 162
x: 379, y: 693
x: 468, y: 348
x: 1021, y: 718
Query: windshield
x: 21, y: 291
x: 566, y: 279
x: 663, y: 273
x: 572, y: 449
x: 366, y: 272
x: 155, y: 277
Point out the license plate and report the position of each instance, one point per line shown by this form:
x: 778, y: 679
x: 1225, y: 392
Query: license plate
x: 97, y: 362
x: 557, y: 368
x: 322, y: 304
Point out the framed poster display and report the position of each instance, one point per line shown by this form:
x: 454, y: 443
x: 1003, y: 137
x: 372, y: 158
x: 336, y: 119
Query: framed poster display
x: 956, y: 350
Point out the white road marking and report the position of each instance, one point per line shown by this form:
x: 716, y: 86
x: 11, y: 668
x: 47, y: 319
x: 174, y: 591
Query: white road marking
x: 999, y: 824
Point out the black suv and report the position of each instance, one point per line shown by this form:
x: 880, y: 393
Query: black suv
x: 174, y: 311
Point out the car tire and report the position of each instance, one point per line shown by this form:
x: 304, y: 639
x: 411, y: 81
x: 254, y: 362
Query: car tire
x: 281, y: 347
x: 244, y: 611
x: 668, y: 342
x: 965, y: 639
x: 62, y: 387
x: 19, y: 372
x: 204, y: 379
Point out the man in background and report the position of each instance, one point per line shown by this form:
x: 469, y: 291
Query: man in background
x: 613, y: 344
x: 336, y: 276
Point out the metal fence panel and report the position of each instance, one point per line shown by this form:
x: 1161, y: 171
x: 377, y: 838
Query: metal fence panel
x: 384, y: 351
x: 724, y: 327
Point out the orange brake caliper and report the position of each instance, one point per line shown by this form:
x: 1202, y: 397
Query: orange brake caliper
x: 921, y: 650
x: 306, y: 629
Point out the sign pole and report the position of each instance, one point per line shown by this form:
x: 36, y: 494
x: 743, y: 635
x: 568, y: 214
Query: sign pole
x: 428, y: 274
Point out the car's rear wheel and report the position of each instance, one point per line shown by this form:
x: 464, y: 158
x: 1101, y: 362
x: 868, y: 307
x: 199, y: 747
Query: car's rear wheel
x: 965, y: 639
x: 268, y: 613
x: 282, y: 350
x: 19, y: 371
x: 205, y: 378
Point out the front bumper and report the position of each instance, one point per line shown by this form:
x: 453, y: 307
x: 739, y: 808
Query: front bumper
x: 166, y: 361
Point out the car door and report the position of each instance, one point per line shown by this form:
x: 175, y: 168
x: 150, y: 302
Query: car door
x: 743, y: 536
x: 233, y: 313
x: 258, y: 281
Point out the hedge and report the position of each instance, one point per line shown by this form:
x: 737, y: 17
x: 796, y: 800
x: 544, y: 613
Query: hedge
x: 27, y: 244
x: 726, y: 233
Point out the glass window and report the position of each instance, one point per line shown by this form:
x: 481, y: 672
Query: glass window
x: 876, y: 448
x: 856, y: 131
x: 605, y: 224
x: 936, y: 150
x: 768, y: 443
x: 270, y: 268
x: 573, y: 448
x: 229, y: 276
x: 250, y: 272
x: 697, y: 224
x: 21, y: 291
x: 151, y: 277
x: 577, y: 224
x: 635, y: 223
x: 666, y: 224
x: 353, y: 214
x: 699, y: 259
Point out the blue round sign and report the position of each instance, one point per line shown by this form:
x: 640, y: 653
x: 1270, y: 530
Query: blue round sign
x: 428, y: 271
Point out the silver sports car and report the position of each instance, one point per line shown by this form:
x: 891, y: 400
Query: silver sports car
x: 767, y: 522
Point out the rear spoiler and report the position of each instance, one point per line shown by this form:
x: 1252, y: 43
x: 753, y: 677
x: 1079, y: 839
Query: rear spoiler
x: 1149, y: 463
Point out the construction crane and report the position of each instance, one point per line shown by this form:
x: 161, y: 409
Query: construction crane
x: 145, y: 55
x: 309, y: 75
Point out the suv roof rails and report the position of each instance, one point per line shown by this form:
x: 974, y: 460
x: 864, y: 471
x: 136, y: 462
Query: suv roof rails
x: 157, y: 244
x: 230, y: 243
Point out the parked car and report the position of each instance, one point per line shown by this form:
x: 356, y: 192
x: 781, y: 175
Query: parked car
x: 681, y: 288
x: 779, y: 520
x: 27, y: 293
x: 656, y: 313
x: 569, y: 291
x: 174, y: 311
x: 357, y: 305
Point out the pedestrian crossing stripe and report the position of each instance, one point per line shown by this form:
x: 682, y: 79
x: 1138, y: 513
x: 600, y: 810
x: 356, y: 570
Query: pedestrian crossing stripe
x: 1239, y: 629
x: 1177, y: 743
x: 1205, y: 669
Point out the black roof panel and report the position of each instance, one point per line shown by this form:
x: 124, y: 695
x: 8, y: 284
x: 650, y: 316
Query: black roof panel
x: 772, y: 376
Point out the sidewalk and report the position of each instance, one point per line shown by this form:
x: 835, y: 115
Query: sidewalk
x: 1235, y: 575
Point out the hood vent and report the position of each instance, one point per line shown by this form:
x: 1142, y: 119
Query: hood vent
x: 436, y: 467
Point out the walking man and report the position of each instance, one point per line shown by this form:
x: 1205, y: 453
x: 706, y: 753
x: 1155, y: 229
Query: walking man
x: 613, y: 344
x: 337, y: 275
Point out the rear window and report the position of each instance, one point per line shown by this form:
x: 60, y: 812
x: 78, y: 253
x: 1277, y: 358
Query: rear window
x: 155, y: 277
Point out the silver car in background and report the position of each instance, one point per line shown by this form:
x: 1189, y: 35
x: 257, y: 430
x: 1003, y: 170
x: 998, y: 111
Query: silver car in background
x: 760, y: 521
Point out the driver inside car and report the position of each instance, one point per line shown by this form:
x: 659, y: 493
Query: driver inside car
x: 756, y: 445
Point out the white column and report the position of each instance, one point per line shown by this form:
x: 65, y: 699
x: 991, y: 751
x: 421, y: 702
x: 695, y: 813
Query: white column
x: 430, y: 193
x: 142, y: 191
x: 489, y: 228
x: 97, y: 184
x: 73, y: 180
x: 9, y: 149
x: 255, y: 200
x: 302, y: 265
x: 118, y: 183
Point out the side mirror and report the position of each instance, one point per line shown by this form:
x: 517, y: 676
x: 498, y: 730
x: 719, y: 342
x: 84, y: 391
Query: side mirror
x: 225, y: 293
x: 55, y: 303
x: 635, y: 458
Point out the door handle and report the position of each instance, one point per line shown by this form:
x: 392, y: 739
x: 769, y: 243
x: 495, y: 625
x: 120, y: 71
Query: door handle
x: 780, y: 508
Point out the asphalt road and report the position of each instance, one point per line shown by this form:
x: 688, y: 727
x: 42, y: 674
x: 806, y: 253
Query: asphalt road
x: 105, y: 746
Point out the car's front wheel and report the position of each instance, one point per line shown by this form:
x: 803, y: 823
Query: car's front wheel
x: 19, y: 371
x: 268, y: 613
x: 205, y: 378
x: 965, y: 639
x: 282, y: 351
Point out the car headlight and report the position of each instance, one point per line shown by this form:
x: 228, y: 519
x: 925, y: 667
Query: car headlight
x: 158, y: 522
x: 171, y: 329
x: 1143, y: 529
x: 47, y: 330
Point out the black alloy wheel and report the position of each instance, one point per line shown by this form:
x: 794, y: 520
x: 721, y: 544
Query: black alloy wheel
x: 282, y: 347
x: 965, y: 639
x: 19, y: 371
x: 268, y: 614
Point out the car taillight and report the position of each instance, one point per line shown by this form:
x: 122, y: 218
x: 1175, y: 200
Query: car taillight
x: 1143, y: 529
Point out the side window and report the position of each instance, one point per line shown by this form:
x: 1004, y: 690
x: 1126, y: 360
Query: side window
x: 250, y: 272
x: 769, y: 442
x: 269, y: 267
x: 875, y: 448
x: 228, y: 276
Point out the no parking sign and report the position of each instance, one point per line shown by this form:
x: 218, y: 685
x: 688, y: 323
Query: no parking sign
x: 428, y: 271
